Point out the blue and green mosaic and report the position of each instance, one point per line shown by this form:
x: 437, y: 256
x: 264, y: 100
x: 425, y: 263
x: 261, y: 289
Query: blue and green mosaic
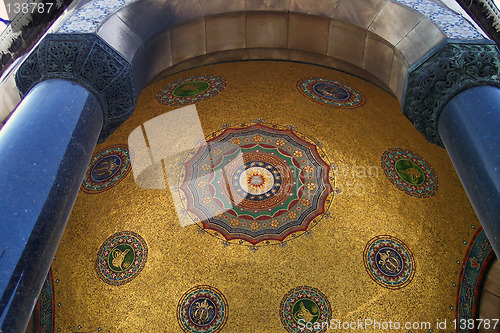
x: 191, y: 90
x: 389, y: 262
x: 333, y: 93
x: 121, y: 258
x: 44, y: 313
x: 106, y: 169
x: 476, y: 262
x: 409, y: 172
x: 202, y: 309
x: 304, y: 309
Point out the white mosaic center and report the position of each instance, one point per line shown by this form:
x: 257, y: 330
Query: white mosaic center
x: 453, y: 24
x: 88, y: 18
x: 256, y: 180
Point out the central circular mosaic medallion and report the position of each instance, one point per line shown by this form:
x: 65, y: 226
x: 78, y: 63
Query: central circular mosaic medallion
x: 106, y: 169
x: 202, y: 309
x: 304, y: 309
x: 256, y: 183
x: 191, y: 90
x: 258, y: 180
x: 409, y: 172
x: 330, y: 92
x: 121, y: 258
x: 389, y: 262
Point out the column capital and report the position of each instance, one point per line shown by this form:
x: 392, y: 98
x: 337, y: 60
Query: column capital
x: 91, y: 62
x: 443, y: 74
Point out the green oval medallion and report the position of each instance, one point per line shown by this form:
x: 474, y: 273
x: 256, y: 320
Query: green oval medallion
x: 305, y: 309
x: 410, y: 171
x: 121, y: 257
x: 191, y: 88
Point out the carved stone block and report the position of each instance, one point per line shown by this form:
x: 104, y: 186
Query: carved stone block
x: 88, y: 60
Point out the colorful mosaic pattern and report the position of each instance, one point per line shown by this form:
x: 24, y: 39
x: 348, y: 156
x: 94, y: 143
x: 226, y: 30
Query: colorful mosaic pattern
x: 106, y: 169
x: 202, y: 309
x: 191, y: 90
x: 334, y: 93
x: 389, y: 262
x: 44, y: 314
x: 256, y: 183
x: 409, y: 172
x: 91, y: 15
x: 121, y: 258
x: 452, y: 23
x: 477, y: 259
x: 303, y: 309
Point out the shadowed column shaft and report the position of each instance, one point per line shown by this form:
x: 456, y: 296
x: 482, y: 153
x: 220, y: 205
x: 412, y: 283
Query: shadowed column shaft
x: 45, y: 148
x: 470, y: 129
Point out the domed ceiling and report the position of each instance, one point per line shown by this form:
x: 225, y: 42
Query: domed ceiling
x: 257, y: 197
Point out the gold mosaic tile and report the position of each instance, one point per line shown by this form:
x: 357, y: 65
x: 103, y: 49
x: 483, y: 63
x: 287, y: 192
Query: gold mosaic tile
x: 254, y: 283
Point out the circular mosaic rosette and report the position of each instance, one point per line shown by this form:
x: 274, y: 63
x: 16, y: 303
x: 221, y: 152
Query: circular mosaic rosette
x: 409, y: 172
x: 121, y: 258
x: 106, y: 169
x: 202, y: 309
x: 256, y: 183
x: 191, y: 90
x: 389, y: 262
x: 331, y: 92
x: 304, y: 309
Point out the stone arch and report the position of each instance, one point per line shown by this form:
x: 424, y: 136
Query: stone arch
x: 391, y: 43
x: 375, y: 40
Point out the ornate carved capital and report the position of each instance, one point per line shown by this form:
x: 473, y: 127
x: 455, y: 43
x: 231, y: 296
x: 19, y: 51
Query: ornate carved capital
x: 432, y: 84
x: 91, y: 62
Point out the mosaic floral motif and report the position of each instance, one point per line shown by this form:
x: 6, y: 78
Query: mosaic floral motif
x: 478, y: 256
x: 191, y: 90
x: 121, y: 258
x: 43, y: 315
x: 389, y: 262
x: 106, y: 169
x: 202, y: 309
x: 303, y: 309
x: 409, y: 172
x: 88, y: 18
x: 453, y: 24
x: 259, y: 185
x: 334, y: 93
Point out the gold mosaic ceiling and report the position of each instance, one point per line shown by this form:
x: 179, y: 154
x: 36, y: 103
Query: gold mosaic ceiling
x: 254, y: 282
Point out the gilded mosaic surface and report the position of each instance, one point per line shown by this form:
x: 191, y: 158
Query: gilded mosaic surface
x: 254, y: 281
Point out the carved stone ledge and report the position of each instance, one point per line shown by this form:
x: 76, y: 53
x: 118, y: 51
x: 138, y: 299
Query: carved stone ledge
x: 432, y: 84
x: 91, y: 62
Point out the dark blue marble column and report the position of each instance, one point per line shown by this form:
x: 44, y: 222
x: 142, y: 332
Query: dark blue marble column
x: 45, y: 148
x: 469, y: 126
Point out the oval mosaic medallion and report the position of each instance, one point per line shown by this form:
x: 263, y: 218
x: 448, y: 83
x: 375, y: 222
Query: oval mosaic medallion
x: 304, y: 309
x: 256, y: 183
x: 409, y: 172
x: 330, y: 92
x: 121, y: 258
x: 202, y: 309
x: 389, y: 262
x: 191, y: 90
x: 106, y: 169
